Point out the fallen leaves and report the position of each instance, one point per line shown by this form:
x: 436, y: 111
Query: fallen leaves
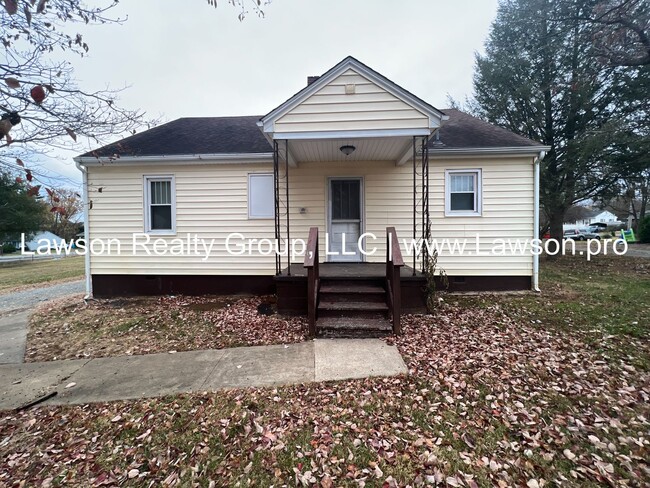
x: 494, y: 397
x: 569, y: 454
x: 70, y: 329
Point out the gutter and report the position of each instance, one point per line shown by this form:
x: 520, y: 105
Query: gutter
x: 86, y: 206
x: 533, y: 150
x: 536, y: 164
x: 176, y: 158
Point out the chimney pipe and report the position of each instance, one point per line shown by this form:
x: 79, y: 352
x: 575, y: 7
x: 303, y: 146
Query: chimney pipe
x: 311, y: 79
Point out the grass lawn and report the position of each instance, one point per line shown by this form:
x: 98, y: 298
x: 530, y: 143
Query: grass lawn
x: 520, y: 390
x: 606, y: 303
x: 24, y: 274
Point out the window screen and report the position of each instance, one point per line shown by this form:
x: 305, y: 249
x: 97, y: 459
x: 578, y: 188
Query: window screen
x: 160, y: 204
x: 463, y: 195
x: 462, y: 192
x: 346, y: 199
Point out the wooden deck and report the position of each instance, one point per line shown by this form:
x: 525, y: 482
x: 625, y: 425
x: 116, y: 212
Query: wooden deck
x: 349, y: 271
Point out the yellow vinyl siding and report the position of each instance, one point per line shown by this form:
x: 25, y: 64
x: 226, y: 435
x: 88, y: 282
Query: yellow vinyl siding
x: 369, y: 107
x: 507, y: 213
x: 212, y: 202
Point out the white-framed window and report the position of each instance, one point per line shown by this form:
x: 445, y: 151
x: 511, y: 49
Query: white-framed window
x: 463, y: 192
x: 261, y: 201
x: 160, y: 204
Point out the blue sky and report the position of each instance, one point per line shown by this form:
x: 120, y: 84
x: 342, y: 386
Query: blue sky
x: 195, y: 60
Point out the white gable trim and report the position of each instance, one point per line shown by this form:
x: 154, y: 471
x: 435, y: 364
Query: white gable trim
x: 435, y: 116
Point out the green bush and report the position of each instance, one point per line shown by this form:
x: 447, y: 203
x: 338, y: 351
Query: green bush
x: 8, y: 248
x: 644, y: 230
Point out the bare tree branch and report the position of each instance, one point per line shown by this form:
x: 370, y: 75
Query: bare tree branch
x: 54, y: 110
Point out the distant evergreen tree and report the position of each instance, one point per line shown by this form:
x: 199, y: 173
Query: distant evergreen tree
x: 19, y: 211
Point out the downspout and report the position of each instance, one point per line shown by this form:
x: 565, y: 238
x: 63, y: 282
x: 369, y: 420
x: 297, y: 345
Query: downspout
x: 536, y: 164
x: 86, y: 205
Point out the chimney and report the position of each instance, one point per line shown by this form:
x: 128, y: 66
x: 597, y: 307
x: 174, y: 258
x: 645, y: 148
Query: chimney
x: 311, y: 79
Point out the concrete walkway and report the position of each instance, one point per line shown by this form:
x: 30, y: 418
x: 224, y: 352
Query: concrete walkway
x: 639, y: 251
x: 13, y: 337
x: 15, y: 308
x: 133, y: 377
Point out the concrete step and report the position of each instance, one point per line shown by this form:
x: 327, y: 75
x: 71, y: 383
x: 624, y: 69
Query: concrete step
x: 378, y: 322
x: 353, y: 327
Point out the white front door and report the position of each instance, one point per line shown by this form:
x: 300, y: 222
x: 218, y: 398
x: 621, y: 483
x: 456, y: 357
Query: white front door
x: 345, y: 219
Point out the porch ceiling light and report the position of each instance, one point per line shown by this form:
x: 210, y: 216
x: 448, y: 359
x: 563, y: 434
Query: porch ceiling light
x: 347, y: 149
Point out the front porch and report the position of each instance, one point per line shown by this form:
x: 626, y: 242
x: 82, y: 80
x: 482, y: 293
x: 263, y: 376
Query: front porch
x: 292, y: 288
x: 351, y: 298
x: 350, y: 271
x: 351, y: 161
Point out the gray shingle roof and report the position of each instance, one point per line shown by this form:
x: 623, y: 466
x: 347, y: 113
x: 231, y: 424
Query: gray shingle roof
x: 232, y: 135
x: 462, y: 131
x: 192, y: 135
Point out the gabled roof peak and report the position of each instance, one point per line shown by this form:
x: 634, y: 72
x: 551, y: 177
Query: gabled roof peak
x: 350, y: 62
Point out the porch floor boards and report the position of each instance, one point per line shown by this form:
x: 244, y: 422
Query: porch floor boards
x: 349, y: 271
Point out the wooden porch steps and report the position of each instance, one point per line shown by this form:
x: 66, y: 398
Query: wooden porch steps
x: 353, y: 299
x: 327, y: 306
x: 354, y: 289
x: 352, y: 308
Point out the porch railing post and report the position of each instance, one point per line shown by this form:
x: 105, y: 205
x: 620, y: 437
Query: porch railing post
x: 426, y: 224
x: 397, y: 301
x: 415, y: 190
x: 276, y: 203
x: 394, y: 263
x: 286, y: 182
x: 313, y: 279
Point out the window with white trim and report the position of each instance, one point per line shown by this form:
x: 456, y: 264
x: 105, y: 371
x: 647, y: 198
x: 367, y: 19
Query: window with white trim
x: 463, y: 192
x: 261, y: 201
x: 160, y: 204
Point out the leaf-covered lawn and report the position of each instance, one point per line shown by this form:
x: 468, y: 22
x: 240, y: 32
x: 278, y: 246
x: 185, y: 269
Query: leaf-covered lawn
x: 606, y: 302
x: 69, y: 328
x: 502, y: 390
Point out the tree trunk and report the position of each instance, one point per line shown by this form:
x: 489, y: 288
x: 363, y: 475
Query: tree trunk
x: 556, y: 219
x: 645, y: 196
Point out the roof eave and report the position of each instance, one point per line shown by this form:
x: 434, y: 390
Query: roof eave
x: 482, y: 151
x: 223, y: 158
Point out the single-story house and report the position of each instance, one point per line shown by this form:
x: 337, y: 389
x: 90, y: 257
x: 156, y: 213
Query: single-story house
x: 579, y: 216
x: 351, y: 158
x: 43, y: 241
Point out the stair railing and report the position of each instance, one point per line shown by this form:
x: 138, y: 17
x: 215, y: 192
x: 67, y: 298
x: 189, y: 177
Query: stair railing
x: 394, y: 263
x: 313, y: 278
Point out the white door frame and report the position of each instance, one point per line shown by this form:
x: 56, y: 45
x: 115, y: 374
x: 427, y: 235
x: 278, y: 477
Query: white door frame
x: 362, y: 210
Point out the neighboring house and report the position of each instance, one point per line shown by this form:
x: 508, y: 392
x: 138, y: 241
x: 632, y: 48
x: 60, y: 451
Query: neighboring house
x: 577, y: 217
x: 42, y: 241
x: 349, y: 154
